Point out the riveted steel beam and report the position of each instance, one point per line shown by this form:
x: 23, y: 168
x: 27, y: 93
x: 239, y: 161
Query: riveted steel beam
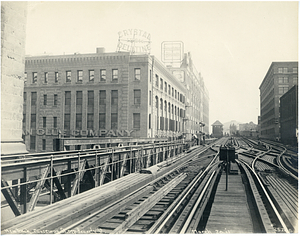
x: 7, y: 193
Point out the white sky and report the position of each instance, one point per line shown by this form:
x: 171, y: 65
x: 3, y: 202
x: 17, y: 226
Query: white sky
x: 232, y: 43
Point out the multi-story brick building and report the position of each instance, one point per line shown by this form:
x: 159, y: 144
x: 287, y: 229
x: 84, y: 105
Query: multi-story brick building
x: 197, y: 97
x: 280, y: 77
x: 289, y: 117
x: 84, y: 99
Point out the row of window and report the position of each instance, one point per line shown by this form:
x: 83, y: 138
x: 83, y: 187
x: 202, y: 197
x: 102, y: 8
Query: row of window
x: 45, y: 99
x: 102, y: 121
x: 90, y: 101
x: 79, y: 76
x: 33, y: 121
x: 285, y: 70
x: 285, y: 80
x: 102, y: 97
x: 78, y: 125
x: 167, y: 89
x: 167, y: 106
x: 282, y: 89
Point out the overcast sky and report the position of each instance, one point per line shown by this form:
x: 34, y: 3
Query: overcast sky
x: 232, y: 43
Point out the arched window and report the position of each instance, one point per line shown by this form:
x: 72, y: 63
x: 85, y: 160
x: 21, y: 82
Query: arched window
x: 156, y: 101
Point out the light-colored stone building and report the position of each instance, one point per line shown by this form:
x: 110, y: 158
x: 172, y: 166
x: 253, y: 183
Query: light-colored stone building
x: 13, y: 31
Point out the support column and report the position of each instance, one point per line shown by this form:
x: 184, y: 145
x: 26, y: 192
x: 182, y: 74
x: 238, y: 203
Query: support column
x: 13, y: 25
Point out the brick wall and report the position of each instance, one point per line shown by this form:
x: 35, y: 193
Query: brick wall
x: 13, y: 24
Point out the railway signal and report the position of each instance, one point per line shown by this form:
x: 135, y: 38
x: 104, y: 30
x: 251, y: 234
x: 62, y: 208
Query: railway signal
x: 227, y: 154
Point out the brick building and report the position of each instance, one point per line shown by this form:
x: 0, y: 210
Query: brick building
x: 80, y: 100
x: 197, y: 97
x: 280, y: 77
x: 289, y: 117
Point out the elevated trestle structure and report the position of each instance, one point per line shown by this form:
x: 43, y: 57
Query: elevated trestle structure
x: 38, y: 179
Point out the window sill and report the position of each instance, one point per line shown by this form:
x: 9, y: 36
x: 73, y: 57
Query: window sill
x: 137, y: 106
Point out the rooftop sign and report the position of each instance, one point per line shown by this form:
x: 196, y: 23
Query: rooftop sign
x: 134, y: 41
x: 172, y: 51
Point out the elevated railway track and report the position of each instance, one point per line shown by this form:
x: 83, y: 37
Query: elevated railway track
x: 182, y: 193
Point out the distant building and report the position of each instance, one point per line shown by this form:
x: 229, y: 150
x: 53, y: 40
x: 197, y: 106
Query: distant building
x: 248, y: 129
x: 289, y: 117
x: 280, y: 77
x: 226, y: 126
x: 217, y: 129
x: 232, y: 129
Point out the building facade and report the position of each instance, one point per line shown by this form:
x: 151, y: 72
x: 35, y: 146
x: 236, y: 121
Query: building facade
x: 289, y: 117
x: 280, y: 77
x: 197, y: 97
x: 76, y: 101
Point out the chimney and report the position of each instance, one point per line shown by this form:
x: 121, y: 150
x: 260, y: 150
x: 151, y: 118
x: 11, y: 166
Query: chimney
x: 100, y: 50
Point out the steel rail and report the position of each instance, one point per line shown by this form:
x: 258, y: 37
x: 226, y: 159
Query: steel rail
x: 63, y: 159
x: 62, y: 231
x: 280, y: 165
x: 125, y: 197
x: 278, y: 159
x: 266, y: 222
x: 192, y: 213
x: 161, y: 222
x: 266, y: 193
x: 135, y: 214
x: 286, y: 163
x: 60, y: 159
